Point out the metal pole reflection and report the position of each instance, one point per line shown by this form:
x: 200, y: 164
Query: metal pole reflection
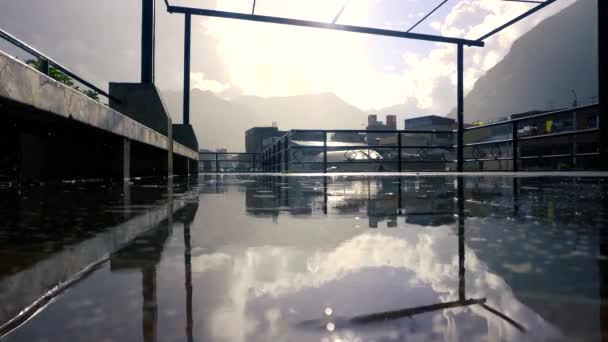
x: 188, y: 283
x: 461, y: 269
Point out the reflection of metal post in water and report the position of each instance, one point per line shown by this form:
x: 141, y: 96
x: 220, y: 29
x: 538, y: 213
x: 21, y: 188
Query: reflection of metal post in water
x: 126, y: 198
x: 325, y: 195
x: 412, y: 311
x: 461, y: 270
x: 285, y: 181
x: 149, y: 316
x: 188, y: 284
x: 400, y: 195
x: 515, y: 196
x: 603, y: 266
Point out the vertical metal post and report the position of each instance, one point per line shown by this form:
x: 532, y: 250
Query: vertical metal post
x: 324, y: 151
x: 399, y: 167
x: 44, y: 66
x: 147, y: 41
x: 602, y: 25
x: 254, y: 168
x: 273, y: 157
x: 187, y: 44
x: 280, y: 155
x: 217, y: 164
x: 514, y: 146
x: 460, y: 105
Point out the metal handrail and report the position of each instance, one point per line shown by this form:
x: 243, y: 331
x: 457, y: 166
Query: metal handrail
x: 367, y: 131
x: 13, y: 40
x: 531, y: 117
x: 379, y: 147
x: 256, y: 159
x: 276, y: 156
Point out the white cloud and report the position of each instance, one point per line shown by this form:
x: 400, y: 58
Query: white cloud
x: 199, y: 81
x: 271, y: 60
x: 262, y: 278
x: 428, y: 75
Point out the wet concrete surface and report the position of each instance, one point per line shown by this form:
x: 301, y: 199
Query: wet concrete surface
x: 308, y: 258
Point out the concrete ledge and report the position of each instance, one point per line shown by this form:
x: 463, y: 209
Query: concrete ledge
x: 22, y: 84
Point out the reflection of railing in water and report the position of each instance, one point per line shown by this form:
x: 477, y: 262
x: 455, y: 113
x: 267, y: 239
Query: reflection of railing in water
x: 462, y: 300
x: 154, y: 228
x: 574, y: 129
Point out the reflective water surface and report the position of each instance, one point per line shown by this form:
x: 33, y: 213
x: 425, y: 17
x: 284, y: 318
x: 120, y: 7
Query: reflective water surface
x: 290, y: 258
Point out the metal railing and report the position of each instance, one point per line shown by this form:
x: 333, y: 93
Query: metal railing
x: 47, y: 63
x: 229, y: 162
x: 361, y: 151
x: 567, y: 136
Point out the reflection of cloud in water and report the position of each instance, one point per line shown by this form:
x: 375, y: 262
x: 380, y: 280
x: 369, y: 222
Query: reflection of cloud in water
x: 271, y: 289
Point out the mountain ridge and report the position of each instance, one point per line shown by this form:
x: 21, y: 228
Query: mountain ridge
x: 523, y: 80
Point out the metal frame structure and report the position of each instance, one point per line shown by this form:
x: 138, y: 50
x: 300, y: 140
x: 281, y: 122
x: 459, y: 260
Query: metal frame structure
x: 515, y: 138
x: 253, y: 160
x: 279, y: 156
x: 459, y: 42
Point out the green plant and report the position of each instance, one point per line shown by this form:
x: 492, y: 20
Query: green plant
x: 61, y: 77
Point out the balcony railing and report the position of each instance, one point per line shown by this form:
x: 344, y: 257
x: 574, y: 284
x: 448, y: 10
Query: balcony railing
x: 45, y: 64
x: 559, y: 140
x: 227, y: 162
x: 361, y: 151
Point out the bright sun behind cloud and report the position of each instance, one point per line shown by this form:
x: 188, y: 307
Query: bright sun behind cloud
x: 271, y: 60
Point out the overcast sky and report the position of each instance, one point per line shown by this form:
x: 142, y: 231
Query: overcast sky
x: 100, y: 41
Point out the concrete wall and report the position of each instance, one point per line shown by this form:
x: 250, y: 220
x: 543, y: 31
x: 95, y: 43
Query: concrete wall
x: 49, y: 130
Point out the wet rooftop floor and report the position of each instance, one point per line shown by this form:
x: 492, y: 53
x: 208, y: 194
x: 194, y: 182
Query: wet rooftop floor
x: 306, y: 258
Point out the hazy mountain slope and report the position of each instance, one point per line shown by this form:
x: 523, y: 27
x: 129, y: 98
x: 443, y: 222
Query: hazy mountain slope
x: 217, y: 122
x: 543, y: 65
x: 222, y: 123
x: 306, y: 111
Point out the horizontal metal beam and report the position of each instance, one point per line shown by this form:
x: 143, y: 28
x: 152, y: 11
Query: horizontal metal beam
x: 321, y: 25
x: 513, y: 21
x: 536, y: 116
x: 373, y: 131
